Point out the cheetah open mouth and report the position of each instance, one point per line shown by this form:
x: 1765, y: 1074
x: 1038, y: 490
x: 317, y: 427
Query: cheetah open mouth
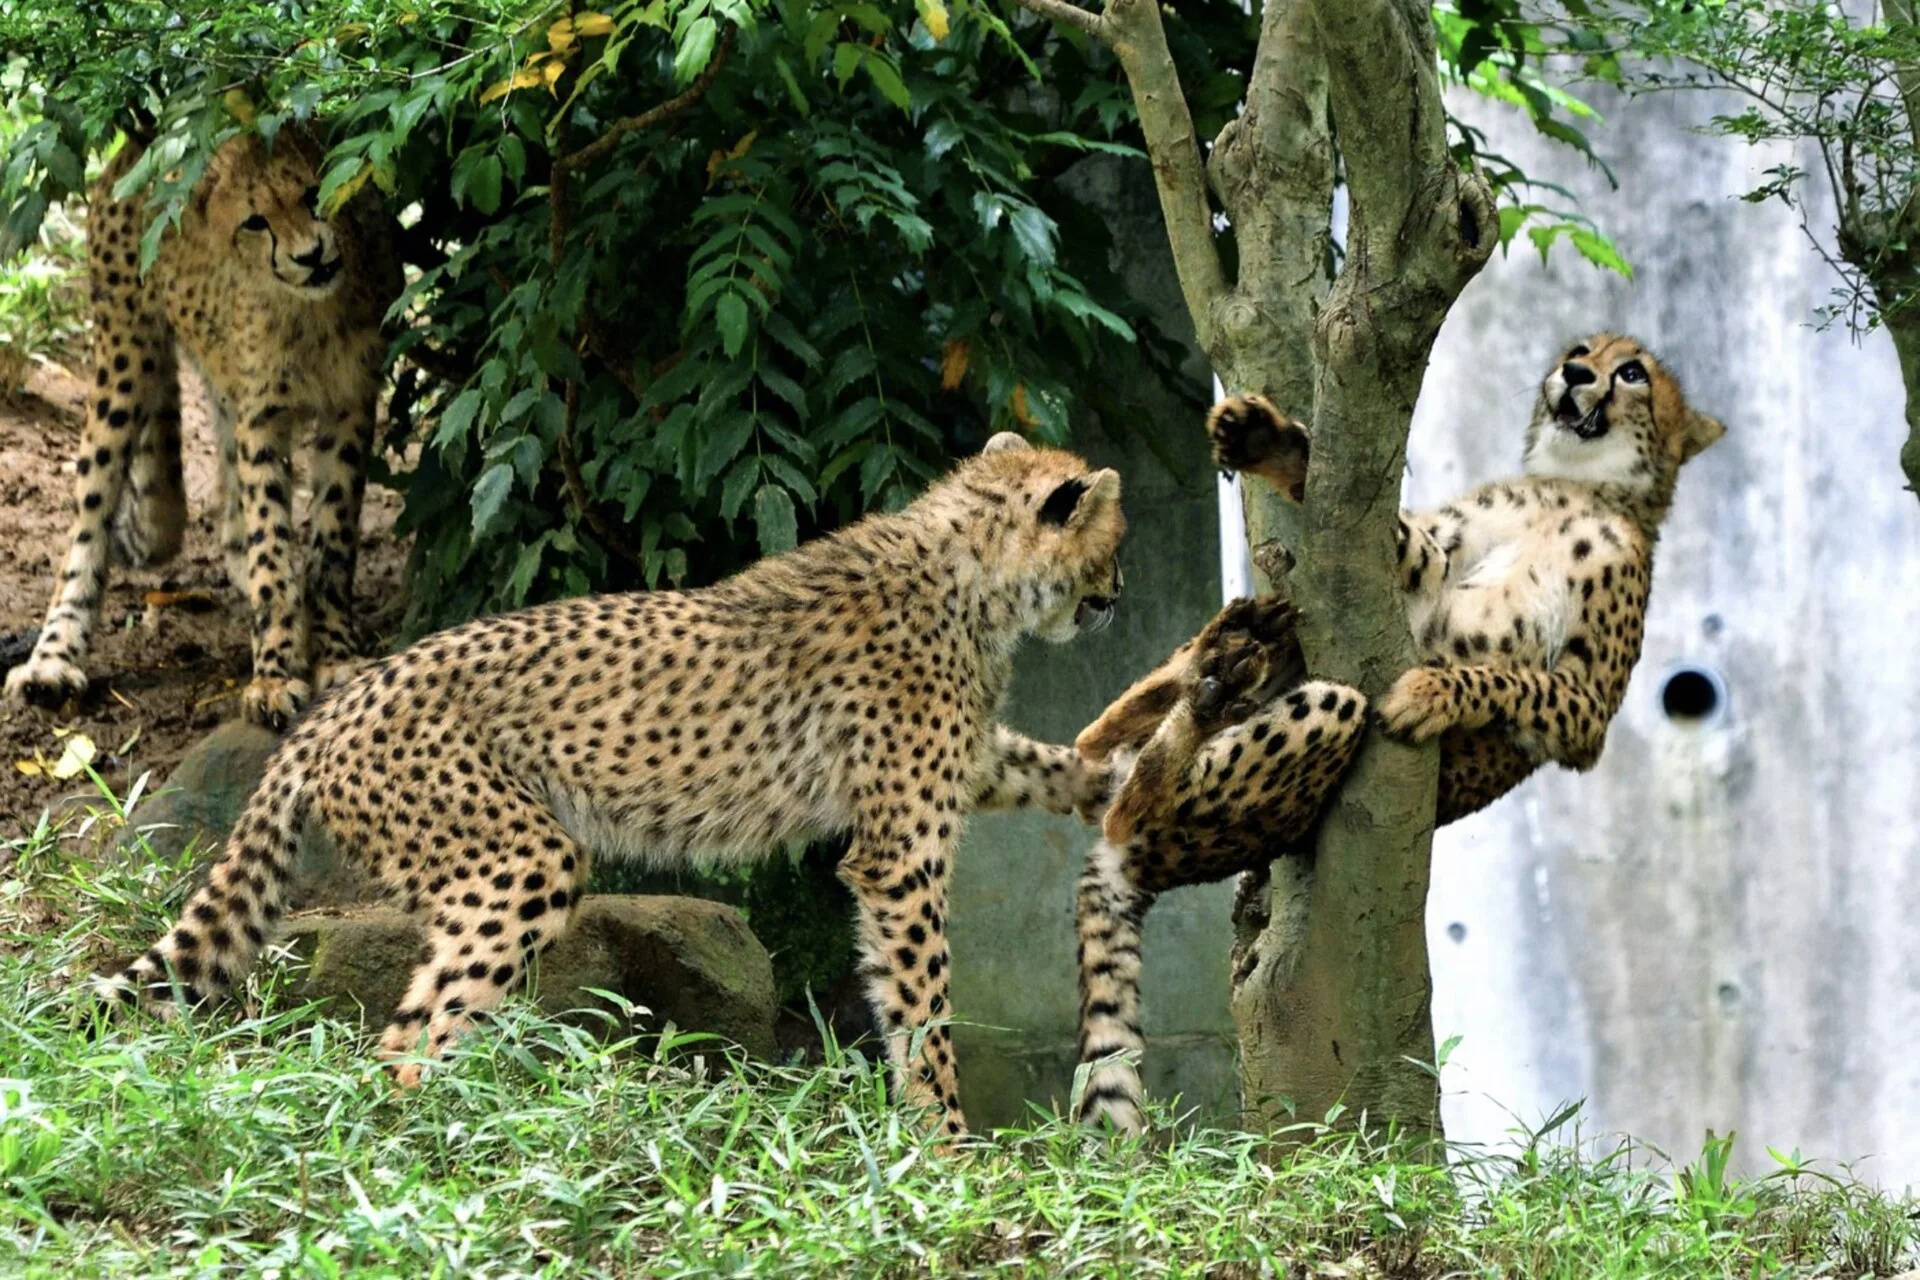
x: 1590, y: 425
x: 1093, y: 613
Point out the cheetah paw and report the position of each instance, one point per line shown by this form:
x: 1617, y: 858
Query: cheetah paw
x: 273, y: 701
x: 46, y: 681
x: 1250, y: 435
x: 1228, y: 680
x: 1419, y: 706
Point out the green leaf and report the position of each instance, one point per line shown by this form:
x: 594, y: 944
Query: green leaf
x: 740, y: 481
x: 886, y: 78
x: 489, y: 494
x: 1601, y: 252
x: 846, y: 61
x: 942, y: 136
x: 1033, y: 231
x: 774, y: 520
x: 483, y: 184
x: 724, y: 442
x: 875, y: 468
x: 696, y: 49
x: 794, y: 91
x: 730, y: 313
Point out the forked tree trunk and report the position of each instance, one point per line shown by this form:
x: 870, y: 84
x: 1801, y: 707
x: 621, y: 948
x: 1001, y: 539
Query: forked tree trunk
x: 1332, y: 987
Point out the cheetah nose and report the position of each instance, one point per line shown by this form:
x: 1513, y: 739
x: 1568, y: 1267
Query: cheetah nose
x: 1576, y: 375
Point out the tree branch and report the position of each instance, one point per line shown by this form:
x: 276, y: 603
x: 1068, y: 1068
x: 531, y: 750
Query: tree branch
x: 1132, y: 29
x: 1070, y: 14
x: 563, y: 166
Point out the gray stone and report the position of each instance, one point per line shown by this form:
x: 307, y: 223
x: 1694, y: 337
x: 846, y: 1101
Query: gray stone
x: 684, y: 960
x: 202, y: 798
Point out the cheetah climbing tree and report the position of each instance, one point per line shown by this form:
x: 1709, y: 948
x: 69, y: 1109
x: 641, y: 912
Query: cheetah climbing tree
x: 1331, y: 981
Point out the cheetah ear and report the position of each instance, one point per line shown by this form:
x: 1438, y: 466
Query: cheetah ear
x: 1700, y: 432
x: 1074, y: 501
x: 1005, y: 441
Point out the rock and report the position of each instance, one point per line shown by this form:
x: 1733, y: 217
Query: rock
x: 685, y: 960
x: 201, y: 799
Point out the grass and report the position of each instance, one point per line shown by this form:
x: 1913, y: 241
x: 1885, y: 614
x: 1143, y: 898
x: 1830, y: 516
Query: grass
x: 266, y: 1145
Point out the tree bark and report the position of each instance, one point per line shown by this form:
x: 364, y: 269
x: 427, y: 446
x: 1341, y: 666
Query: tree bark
x: 1331, y: 983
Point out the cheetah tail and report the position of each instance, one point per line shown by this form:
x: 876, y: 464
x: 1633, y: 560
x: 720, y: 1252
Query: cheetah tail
x: 226, y: 923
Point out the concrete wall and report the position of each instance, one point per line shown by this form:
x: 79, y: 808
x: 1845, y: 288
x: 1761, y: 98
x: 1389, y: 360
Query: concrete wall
x: 1715, y: 928
x: 1012, y: 917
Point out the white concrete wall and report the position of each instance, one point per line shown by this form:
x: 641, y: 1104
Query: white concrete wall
x: 1716, y: 928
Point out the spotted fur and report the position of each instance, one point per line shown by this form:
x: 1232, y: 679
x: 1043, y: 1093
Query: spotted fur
x: 1225, y: 755
x: 282, y: 311
x: 1526, y: 597
x: 848, y: 686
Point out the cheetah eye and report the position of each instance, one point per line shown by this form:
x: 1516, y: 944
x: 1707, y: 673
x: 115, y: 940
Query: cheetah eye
x: 1632, y: 371
x: 258, y: 222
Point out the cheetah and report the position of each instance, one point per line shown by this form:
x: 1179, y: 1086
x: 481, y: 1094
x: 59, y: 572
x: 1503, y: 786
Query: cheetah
x: 848, y: 686
x: 282, y: 311
x: 1526, y: 599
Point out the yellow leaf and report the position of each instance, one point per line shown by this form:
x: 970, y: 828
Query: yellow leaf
x: 408, y: 18
x: 525, y: 78
x: 32, y: 768
x: 348, y: 190
x: 238, y: 105
x: 587, y: 25
x: 351, y: 31
x: 953, y: 364
x: 1019, y: 405
x: 717, y: 161
x: 934, y: 14
x: 74, y: 760
x: 560, y: 35
x: 552, y: 72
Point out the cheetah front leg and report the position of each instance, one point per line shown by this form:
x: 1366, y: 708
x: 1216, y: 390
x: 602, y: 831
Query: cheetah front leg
x: 339, y: 475
x: 52, y: 675
x: 898, y: 869
x: 263, y: 439
x: 1017, y: 772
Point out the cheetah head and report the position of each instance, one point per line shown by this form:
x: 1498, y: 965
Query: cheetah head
x: 1610, y: 413
x: 264, y: 202
x: 1060, y: 528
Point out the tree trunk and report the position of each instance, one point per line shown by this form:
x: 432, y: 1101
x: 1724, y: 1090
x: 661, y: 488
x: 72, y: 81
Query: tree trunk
x: 1331, y: 981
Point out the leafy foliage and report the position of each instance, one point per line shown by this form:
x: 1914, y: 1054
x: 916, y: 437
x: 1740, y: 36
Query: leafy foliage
x: 838, y: 261
x: 1501, y: 50
x: 1818, y: 72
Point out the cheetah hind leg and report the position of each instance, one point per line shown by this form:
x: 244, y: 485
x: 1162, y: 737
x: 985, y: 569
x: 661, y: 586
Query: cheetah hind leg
x: 475, y: 955
x: 150, y: 520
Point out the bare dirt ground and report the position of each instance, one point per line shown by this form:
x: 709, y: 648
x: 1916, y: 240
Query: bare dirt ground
x: 163, y: 673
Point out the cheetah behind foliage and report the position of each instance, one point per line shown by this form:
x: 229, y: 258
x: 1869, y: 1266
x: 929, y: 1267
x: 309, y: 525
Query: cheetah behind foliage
x: 848, y: 686
x: 282, y: 311
x: 1526, y: 598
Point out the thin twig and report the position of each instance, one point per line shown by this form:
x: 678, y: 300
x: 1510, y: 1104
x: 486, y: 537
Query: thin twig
x: 577, y: 488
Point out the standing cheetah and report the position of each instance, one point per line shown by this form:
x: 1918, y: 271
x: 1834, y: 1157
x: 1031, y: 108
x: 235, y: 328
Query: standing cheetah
x: 282, y: 312
x: 1526, y: 598
x: 848, y: 686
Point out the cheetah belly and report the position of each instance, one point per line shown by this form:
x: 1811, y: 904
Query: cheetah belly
x: 1510, y: 607
x: 716, y: 820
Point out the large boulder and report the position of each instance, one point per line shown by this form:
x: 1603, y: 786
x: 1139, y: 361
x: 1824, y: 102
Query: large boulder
x: 202, y: 798
x: 684, y: 960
